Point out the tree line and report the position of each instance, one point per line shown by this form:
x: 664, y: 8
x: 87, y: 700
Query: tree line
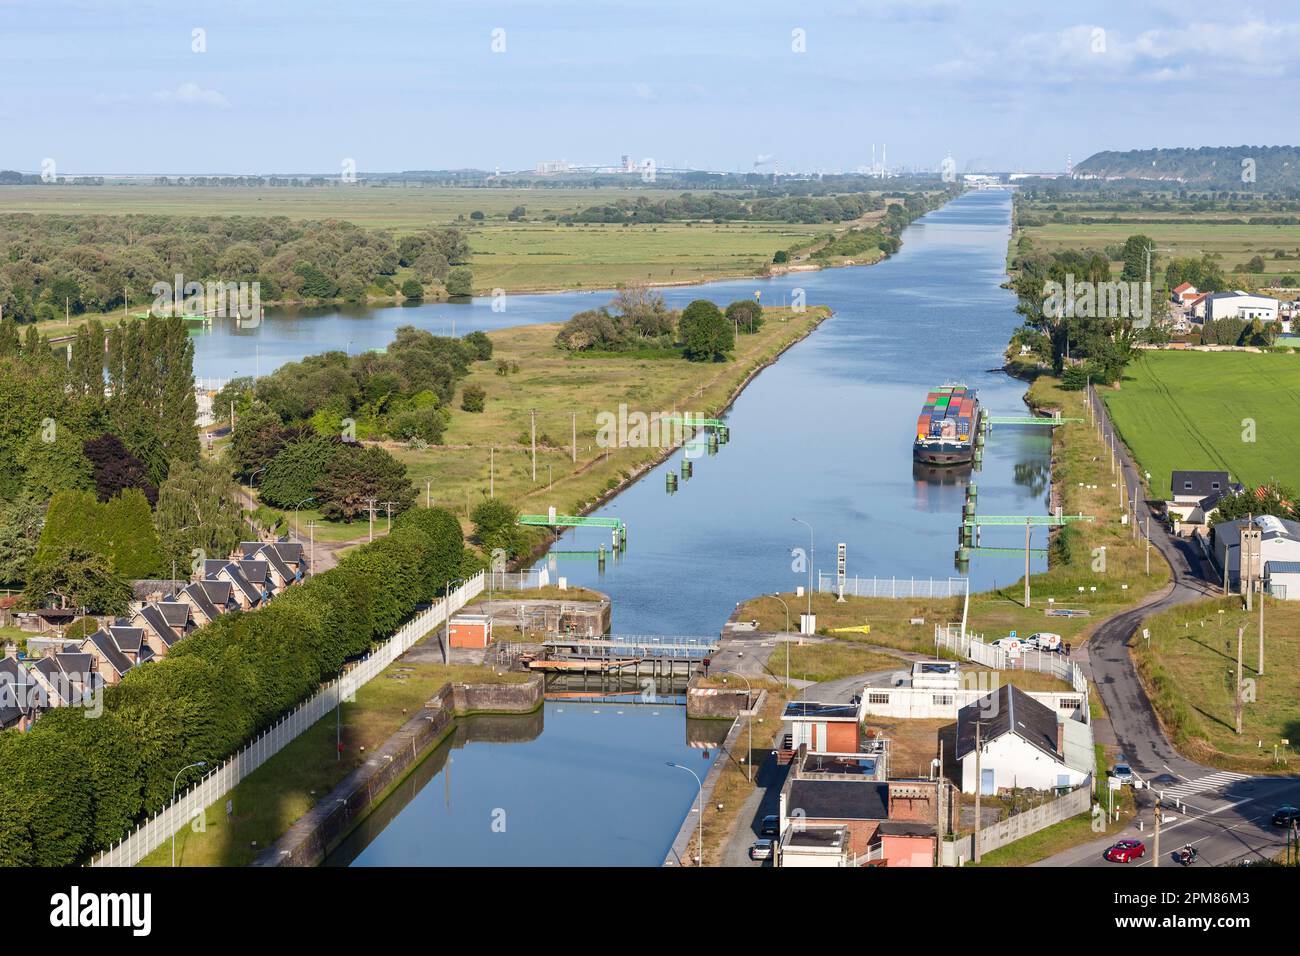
x: 52, y: 266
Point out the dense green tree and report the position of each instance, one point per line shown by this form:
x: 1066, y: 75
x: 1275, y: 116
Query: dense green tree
x: 120, y: 530
x: 496, y: 525
x: 198, y: 510
x: 356, y: 474
x: 411, y: 289
x: 54, y: 460
x: 294, y: 472
x: 21, y: 519
x: 460, y: 282
x: 480, y: 344
x: 706, y: 334
x: 76, y: 578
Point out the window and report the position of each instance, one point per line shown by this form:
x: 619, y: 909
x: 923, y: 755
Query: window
x: 1214, y: 485
x: 1187, y: 486
x: 941, y: 700
x: 877, y: 698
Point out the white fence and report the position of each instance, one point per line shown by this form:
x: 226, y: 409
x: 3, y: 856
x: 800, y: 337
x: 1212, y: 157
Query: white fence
x: 957, y: 852
x: 972, y: 647
x: 525, y: 580
x: 190, y: 805
x: 894, y: 587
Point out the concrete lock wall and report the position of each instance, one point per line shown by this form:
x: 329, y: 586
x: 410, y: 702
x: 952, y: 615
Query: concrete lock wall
x: 324, y: 826
x: 714, y: 702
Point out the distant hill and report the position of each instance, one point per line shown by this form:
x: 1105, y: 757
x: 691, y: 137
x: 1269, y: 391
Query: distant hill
x: 1210, y: 167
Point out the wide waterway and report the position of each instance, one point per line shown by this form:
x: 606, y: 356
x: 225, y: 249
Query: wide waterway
x: 824, y: 435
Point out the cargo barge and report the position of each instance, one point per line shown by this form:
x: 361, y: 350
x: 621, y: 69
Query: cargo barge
x: 946, y: 428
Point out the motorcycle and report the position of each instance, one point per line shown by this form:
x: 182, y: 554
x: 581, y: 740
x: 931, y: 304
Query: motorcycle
x: 1186, y: 856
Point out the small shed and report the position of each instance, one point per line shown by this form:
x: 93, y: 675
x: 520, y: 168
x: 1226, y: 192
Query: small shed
x: 470, y: 630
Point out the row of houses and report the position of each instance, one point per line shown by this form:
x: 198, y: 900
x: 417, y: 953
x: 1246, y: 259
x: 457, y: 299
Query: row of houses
x: 839, y: 806
x: 1273, y: 552
x: 71, y: 672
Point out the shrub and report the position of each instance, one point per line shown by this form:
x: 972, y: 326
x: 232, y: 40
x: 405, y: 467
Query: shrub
x: 411, y: 289
x: 473, y: 399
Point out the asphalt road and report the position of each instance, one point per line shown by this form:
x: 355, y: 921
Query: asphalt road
x: 1226, y: 816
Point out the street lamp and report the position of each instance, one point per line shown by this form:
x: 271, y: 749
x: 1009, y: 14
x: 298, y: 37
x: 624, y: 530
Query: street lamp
x: 699, y: 861
x: 296, y: 532
x: 251, y: 499
x: 812, y: 559
x: 749, y: 723
x: 175, y: 781
x: 787, y: 638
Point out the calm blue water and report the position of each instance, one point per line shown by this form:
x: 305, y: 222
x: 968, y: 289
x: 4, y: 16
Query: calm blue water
x: 825, y: 435
x: 579, y: 784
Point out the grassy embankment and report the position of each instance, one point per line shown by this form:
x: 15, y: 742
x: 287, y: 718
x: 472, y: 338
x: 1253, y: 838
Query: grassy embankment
x: 1233, y: 411
x: 1189, y: 669
x: 275, y: 795
x: 559, y: 385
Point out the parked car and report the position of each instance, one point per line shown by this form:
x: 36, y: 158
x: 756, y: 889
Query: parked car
x: 761, y: 850
x: 770, y: 826
x: 1123, y: 773
x: 1125, y: 851
x: 1285, y: 816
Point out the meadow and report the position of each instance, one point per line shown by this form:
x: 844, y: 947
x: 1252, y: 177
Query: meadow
x: 1175, y: 237
x: 530, y: 255
x: 1193, y: 410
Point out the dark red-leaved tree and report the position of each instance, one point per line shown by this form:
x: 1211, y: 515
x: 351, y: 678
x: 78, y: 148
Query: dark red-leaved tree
x: 116, y: 469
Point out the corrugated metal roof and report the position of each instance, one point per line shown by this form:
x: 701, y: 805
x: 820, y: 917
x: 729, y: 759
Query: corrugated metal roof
x: 1282, y: 567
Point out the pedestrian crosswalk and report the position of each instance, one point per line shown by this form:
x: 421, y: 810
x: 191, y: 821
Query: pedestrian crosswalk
x: 1214, y: 781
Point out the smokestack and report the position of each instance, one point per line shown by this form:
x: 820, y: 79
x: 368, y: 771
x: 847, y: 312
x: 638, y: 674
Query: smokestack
x: 1060, y: 735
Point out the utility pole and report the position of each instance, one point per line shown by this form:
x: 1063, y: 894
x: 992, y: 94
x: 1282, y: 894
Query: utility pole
x: 1155, y: 856
x: 575, y: 436
x: 492, y: 471
x: 371, y: 503
x: 428, y: 492
x: 1240, y: 633
x: 1026, y: 562
x: 533, y: 413
x: 311, y: 557
x: 389, y: 506
x: 979, y: 789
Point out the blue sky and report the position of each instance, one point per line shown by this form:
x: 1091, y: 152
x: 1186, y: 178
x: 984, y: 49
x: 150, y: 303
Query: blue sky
x: 289, y: 86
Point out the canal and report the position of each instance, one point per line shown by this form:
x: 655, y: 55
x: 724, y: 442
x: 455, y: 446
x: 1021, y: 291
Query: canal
x: 824, y: 435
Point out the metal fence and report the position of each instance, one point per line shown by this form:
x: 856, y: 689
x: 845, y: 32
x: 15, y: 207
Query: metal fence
x: 525, y: 580
x: 972, y: 647
x: 189, y: 806
x: 894, y: 587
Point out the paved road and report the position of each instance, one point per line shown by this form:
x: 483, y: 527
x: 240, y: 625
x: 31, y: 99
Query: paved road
x: 1224, y: 815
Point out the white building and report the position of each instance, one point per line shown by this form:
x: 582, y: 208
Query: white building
x: 1279, y: 542
x: 1021, y: 744
x: 1240, y: 305
x: 1282, y: 578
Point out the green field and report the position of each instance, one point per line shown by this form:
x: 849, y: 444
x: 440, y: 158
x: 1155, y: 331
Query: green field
x: 1192, y: 410
x: 1175, y: 237
x: 531, y: 255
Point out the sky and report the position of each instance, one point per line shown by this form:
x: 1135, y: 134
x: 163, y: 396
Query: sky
x: 238, y: 87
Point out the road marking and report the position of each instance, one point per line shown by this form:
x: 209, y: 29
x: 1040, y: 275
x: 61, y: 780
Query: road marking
x: 1214, y: 781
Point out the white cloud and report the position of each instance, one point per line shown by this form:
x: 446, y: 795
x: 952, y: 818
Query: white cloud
x: 191, y: 94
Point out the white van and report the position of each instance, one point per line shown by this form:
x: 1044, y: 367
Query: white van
x: 1045, y: 641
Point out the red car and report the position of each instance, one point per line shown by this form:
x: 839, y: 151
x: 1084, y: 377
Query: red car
x: 1125, y: 851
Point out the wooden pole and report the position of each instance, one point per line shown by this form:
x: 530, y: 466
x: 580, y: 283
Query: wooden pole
x: 533, y: 413
x: 979, y: 789
x: 575, y: 436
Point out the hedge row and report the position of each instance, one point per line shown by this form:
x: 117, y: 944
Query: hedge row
x: 73, y: 785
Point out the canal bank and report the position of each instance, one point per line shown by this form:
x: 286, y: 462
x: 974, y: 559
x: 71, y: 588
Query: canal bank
x: 309, y: 841
x: 824, y: 436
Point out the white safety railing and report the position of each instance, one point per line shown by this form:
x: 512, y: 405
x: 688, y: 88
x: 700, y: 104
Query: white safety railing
x: 525, y: 580
x: 972, y: 647
x: 894, y: 587
x: 188, y: 806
